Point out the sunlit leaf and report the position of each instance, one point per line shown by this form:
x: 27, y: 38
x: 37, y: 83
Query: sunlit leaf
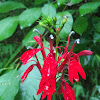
x: 28, y: 17
x: 30, y: 86
x: 88, y: 7
x: 9, y: 85
x: 75, y: 1
x: 7, y: 27
x: 80, y: 25
x: 59, y: 2
x: 49, y: 10
x: 10, y: 5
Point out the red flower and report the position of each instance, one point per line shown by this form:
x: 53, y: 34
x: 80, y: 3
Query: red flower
x: 51, y: 67
x: 68, y: 92
x: 73, y: 69
x: 48, y: 80
x: 73, y: 61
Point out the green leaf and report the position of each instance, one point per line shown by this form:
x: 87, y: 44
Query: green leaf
x: 88, y: 7
x: 28, y: 39
x: 80, y: 25
x: 39, y: 1
x: 9, y: 85
x: 78, y: 90
x: 59, y: 2
x: 96, y: 23
x: 68, y: 25
x: 30, y: 86
x: 49, y: 10
x: 7, y: 27
x: 75, y: 1
x: 10, y: 5
x: 96, y: 37
x: 28, y: 17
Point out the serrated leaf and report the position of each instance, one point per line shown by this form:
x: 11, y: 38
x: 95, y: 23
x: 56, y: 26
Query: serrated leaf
x: 88, y: 7
x: 28, y: 39
x: 9, y: 85
x: 59, y: 2
x: 68, y: 25
x: 28, y: 17
x: 96, y: 37
x: 96, y: 23
x: 75, y: 1
x: 10, y: 5
x: 7, y: 27
x: 30, y: 86
x: 80, y: 25
x: 49, y: 10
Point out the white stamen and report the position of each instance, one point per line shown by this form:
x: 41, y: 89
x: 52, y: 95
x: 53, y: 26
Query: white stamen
x: 51, y: 36
x: 29, y: 47
x: 54, y: 51
x: 72, y: 32
x: 69, y: 4
x: 77, y: 41
x: 35, y: 30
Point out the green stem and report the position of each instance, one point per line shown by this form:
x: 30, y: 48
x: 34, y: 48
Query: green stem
x: 54, y: 96
x: 13, y: 56
x: 57, y: 42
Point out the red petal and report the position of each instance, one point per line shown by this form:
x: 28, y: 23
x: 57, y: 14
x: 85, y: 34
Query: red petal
x: 38, y: 40
x: 28, y: 54
x: 24, y: 76
x: 76, y: 76
x: 49, y: 63
x: 44, y: 94
x: 81, y: 71
x: 85, y: 53
x: 70, y: 72
x: 40, y: 89
x: 50, y: 94
x: 68, y: 92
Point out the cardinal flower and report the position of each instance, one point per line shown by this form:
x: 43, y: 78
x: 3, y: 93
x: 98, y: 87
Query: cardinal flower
x: 51, y: 66
x: 48, y: 80
x: 73, y: 61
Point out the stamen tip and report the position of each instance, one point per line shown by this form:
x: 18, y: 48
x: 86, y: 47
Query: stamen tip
x: 77, y: 41
x: 29, y: 47
x: 35, y: 30
x: 51, y: 36
x: 72, y: 32
x: 54, y: 51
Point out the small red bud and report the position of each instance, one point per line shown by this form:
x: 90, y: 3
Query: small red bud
x: 58, y: 29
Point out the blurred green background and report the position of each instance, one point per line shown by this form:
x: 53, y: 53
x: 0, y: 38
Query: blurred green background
x: 18, y: 18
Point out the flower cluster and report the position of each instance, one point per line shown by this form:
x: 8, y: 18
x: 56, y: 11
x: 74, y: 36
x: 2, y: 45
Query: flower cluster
x: 51, y: 67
